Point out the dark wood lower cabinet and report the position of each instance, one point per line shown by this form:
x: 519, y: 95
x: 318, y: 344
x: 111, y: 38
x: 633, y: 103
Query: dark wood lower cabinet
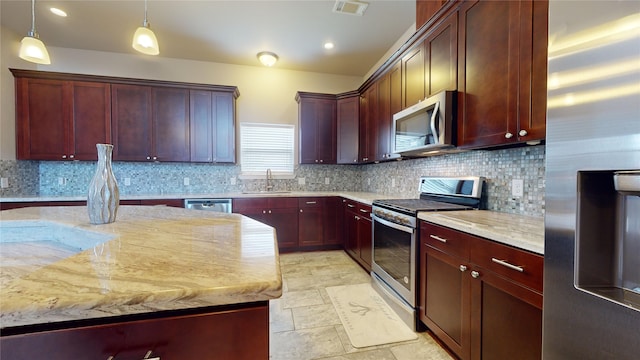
x: 477, y: 307
x: 237, y: 333
x: 358, y: 232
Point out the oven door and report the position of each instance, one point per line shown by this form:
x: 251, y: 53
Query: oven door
x: 394, y: 254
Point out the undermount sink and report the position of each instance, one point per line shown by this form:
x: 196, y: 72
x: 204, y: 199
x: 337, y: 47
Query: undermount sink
x: 45, y: 233
x: 266, y: 192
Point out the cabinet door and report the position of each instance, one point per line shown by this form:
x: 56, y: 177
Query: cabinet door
x: 384, y: 119
x: 365, y: 240
x: 224, y: 138
x: 317, y: 118
x: 285, y: 221
x: 506, y: 321
x: 425, y: 9
x: 131, y: 122
x: 41, y: 111
x: 441, y: 56
x: 368, y: 124
x: 444, y: 298
x: 532, y: 117
x: 201, y: 125
x: 332, y: 221
x: 413, y: 79
x: 311, y: 221
x: 91, y: 119
x: 494, y: 79
x: 348, y: 115
x: 170, y: 124
x: 351, y: 229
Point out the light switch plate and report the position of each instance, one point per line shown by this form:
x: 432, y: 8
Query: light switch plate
x: 127, y: 181
x: 4, y: 183
x: 301, y: 181
x: 232, y: 181
x: 185, y: 181
x: 326, y: 181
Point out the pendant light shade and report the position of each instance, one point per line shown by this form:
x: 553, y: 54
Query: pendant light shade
x: 31, y: 47
x: 144, y: 40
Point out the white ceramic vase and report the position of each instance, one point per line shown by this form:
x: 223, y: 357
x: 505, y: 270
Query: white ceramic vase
x: 103, y: 198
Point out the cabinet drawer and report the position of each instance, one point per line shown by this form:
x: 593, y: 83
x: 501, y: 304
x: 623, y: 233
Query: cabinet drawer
x: 310, y: 202
x: 446, y: 240
x: 244, y: 204
x: 364, y: 210
x: 520, y: 266
x: 350, y: 204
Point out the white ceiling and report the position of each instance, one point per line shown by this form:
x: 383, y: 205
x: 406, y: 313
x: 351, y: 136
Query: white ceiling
x: 225, y: 31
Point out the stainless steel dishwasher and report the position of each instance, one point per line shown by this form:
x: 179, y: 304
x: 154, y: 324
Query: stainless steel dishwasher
x: 218, y: 205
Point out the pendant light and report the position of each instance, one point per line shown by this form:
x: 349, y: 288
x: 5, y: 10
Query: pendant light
x: 31, y: 47
x: 144, y: 40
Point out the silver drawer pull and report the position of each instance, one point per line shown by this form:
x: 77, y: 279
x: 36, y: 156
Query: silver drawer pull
x: 364, y: 211
x: 349, y: 205
x: 438, y: 238
x: 311, y: 202
x: 147, y: 356
x: 506, y: 264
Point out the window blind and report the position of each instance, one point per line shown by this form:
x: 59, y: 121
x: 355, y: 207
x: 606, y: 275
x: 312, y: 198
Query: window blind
x: 266, y: 146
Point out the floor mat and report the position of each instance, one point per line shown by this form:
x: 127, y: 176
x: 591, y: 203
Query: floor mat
x: 366, y: 317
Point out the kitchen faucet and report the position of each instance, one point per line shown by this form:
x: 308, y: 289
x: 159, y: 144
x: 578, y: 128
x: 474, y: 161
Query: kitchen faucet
x: 269, y: 179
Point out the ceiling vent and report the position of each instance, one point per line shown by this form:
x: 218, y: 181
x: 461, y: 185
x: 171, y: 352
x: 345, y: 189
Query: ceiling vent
x: 350, y: 7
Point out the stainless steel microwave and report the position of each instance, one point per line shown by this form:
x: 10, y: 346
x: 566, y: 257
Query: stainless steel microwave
x: 427, y: 127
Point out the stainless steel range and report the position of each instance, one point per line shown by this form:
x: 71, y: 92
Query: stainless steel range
x: 395, y: 231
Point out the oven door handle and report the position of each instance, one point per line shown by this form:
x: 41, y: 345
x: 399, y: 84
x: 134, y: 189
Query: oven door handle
x: 384, y: 222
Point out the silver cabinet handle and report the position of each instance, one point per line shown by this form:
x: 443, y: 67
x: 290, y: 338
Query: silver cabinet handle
x: 508, y: 135
x: 438, y: 238
x: 269, y: 211
x: 264, y: 211
x: 300, y: 210
x: 147, y: 356
x: 71, y: 156
x: 350, y: 205
x: 523, y: 132
x: 311, y: 202
x: 475, y: 274
x: 64, y: 156
x: 363, y: 211
x: 321, y: 160
x: 463, y: 268
x: 506, y: 264
x: 155, y: 158
x: 148, y: 157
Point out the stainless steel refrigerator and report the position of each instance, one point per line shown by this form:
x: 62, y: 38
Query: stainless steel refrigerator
x: 592, y: 239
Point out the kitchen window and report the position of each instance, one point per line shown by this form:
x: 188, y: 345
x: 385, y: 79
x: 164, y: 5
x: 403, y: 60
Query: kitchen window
x: 266, y: 146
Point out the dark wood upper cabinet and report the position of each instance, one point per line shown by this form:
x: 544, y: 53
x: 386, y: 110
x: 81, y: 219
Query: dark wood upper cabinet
x: 212, y: 124
x: 62, y: 116
x: 368, y: 124
x: 171, y: 124
x: 384, y: 119
x: 425, y: 9
x: 441, y: 56
x: 502, y: 76
x: 348, y: 117
x: 132, y: 123
x: 413, y: 76
x: 60, y: 120
x: 317, y: 127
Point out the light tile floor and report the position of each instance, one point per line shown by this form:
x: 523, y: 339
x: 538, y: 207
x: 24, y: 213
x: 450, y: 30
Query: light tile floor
x: 305, y: 326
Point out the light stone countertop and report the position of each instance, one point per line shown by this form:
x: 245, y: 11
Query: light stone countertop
x: 523, y: 232
x: 363, y: 197
x: 157, y: 258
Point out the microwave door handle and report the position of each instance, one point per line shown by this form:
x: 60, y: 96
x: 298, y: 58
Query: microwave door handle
x: 434, y: 117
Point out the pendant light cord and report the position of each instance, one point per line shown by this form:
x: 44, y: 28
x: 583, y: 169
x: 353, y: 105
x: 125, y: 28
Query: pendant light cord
x: 33, y: 33
x: 145, y: 24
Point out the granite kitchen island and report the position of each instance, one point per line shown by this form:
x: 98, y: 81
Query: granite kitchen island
x: 173, y: 282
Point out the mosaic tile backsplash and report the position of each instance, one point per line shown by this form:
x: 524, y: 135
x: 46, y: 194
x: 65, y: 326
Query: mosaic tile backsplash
x: 397, y: 178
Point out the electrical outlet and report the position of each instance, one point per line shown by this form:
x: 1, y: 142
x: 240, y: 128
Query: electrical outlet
x: 185, y: 181
x: 62, y: 181
x: 127, y: 181
x: 393, y: 182
x: 232, y: 181
x: 301, y: 181
x: 368, y: 181
x: 517, y: 187
x: 326, y: 181
x: 4, y: 183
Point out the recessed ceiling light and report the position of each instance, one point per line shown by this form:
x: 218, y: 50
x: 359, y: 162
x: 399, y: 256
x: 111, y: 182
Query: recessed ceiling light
x: 329, y: 45
x: 58, y: 12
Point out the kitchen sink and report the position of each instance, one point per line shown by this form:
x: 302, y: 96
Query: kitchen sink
x: 37, y: 233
